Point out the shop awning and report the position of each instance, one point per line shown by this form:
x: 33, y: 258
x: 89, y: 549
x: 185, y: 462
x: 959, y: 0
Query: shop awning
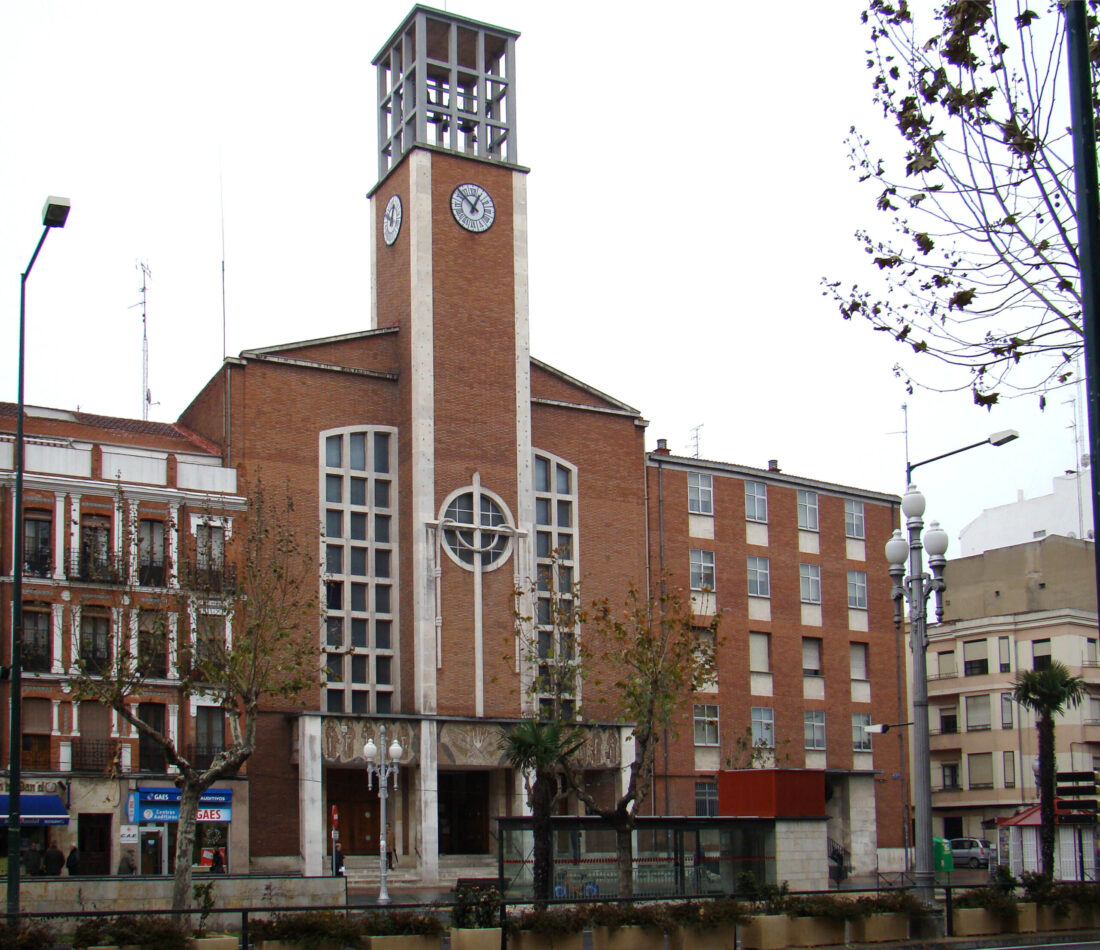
x: 37, y: 810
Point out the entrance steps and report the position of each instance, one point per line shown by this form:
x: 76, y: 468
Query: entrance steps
x: 362, y: 870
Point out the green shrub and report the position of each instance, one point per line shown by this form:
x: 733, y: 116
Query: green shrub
x: 476, y: 906
x: 25, y: 935
x: 894, y: 901
x: 822, y: 905
x: 556, y: 922
x: 1000, y: 902
x: 396, y: 923
x: 139, y: 930
x: 311, y: 928
x: 708, y: 914
x: 614, y: 916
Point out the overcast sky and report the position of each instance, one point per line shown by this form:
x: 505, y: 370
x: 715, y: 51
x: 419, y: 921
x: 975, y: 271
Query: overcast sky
x: 689, y: 188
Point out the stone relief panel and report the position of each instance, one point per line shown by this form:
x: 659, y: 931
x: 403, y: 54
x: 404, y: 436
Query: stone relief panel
x: 342, y: 740
x: 471, y: 743
x: 601, y: 748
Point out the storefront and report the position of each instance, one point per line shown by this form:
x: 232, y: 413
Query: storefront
x: 153, y: 815
x: 37, y: 814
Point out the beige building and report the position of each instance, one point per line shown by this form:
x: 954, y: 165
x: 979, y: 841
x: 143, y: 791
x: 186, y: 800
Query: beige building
x: 1007, y: 610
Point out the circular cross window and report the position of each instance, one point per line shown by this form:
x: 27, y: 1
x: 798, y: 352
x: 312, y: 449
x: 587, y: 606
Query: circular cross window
x: 477, y: 529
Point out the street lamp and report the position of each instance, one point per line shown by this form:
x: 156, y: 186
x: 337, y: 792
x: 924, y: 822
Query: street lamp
x: 996, y: 439
x: 54, y: 214
x: 881, y: 728
x: 384, y: 770
x: 916, y: 589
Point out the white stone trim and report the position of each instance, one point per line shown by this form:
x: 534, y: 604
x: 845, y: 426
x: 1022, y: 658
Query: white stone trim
x: 311, y: 800
x: 59, y: 537
x: 57, y: 633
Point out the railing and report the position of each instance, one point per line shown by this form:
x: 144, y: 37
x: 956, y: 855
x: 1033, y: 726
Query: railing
x: 38, y: 561
x: 201, y: 755
x: 210, y: 578
x: 99, y: 568
x: 36, y: 661
x: 151, y: 758
x: 153, y: 572
x: 95, y: 755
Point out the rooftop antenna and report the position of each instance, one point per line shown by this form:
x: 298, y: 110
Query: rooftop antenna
x: 221, y: 203
x: 695, y: 440
x: 146, y: 395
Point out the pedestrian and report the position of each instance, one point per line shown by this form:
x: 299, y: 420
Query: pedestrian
x: 33, y: 860
x: 53, y: 860
x: 338, y: 860
x: 126, y: 862
x: 217, y: 863
x: 72, y: 862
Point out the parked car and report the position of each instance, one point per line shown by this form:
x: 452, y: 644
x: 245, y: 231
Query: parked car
x: 970, y: 852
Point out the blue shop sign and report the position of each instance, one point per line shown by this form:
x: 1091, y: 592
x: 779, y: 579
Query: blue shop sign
x: 163, y: 804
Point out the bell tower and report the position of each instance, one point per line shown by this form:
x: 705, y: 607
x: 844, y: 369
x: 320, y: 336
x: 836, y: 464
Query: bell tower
x: 449, y: 265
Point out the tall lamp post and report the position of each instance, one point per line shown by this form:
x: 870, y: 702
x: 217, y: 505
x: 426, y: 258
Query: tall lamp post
x: 916, y: 589
x: 384, y: 770
x: 54, y: 214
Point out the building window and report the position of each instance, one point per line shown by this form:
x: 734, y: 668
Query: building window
x: 95, y: 639
x: 95, y: 548
x: 151, y: 553
x: 706, y: 725
x: 857, y: 658
x: 700, y: 493
x: 759, y: 577
x: 209, y: 735
x: 37, y: 546
x: 945, y: 664
x: 810, y: 578
x: 1091, y: 657
x: 706, y: 641
x: 763, y: 727
x: 760, y: 653
x: 977, y: 713
x: 37, y: 656
x: 1008, y: 764
x: 811, y: 656
x: 37, y: 725
x: 950, y: 775
x: 484, y: 540
x: 702, y: 570
x: 815, y: 729
x: 853, y: 518
x: 979, y: 768
x: 152, y: 644
x: 807, y: 510
x: 857, y: 589
x: 949, y: 720
x: 210, y: 640
x: 861, y: 738
x: 1004, y: 648
x: 706, y: 799
x: 357, y: 467
x: 975, y: 658
x: 1006, y: 710
x: 210, y: 546
x: 1092, y: 715
x: 151, y: 757
x: 756, y: 502
x: 1040, y: 654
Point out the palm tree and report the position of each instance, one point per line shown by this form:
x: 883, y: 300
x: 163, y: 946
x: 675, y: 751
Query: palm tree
x: 536, y: 748
x: 1048, y: 693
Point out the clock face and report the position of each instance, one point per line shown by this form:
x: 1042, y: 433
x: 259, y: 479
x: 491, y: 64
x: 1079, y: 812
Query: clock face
x: 473, y: 208
x: 391, y: 220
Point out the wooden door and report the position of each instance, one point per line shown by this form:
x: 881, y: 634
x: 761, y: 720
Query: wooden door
x: 94, y: 843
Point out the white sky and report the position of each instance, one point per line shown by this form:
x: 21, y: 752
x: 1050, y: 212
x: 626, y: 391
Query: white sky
x: 689, y: 188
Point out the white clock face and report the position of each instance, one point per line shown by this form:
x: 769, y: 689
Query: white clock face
x: 473, y: 208
x: 391, y: 220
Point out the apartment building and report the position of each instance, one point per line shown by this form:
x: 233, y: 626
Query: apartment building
x: 127, y: 540
x: 1008, y: 610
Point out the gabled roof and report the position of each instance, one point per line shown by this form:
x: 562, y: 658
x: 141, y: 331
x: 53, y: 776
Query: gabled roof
x: 611, y: 401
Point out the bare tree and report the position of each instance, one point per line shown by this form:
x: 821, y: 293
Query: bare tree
x: 272, y: 614
x: 981, y: 271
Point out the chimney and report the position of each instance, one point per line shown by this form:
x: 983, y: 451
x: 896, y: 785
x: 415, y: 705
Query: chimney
x: 662, y: 447
x: 773, y: 465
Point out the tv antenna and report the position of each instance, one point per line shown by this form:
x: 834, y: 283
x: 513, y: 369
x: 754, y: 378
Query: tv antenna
x: 694, y: 445
x: 146, y: 395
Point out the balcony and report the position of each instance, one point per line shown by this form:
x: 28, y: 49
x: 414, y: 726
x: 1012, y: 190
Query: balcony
x: 201, y: 755
x: 210, y: 578
x: 153, y: 571
x: 36, y: 661
x: 38, y: 561
x: 96, y: 755
x: 151, y: 757
x: 99, y: 568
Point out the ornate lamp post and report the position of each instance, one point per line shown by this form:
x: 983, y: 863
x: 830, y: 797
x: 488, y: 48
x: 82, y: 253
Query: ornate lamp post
x: 54, y: 215
x: 915, y: 589
x: 384, y: 770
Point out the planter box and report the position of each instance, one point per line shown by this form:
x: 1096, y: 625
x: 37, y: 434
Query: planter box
x: 627, y: 938
x: 765, y: 933
x: 218, y: 942
x: 1078, y: 918
x: 527, y: 940
x: 483, y: 938
x: 689, y: 938
x: 292, y: 945
x: 879, y: 928
x: 972, y: 921
x: 403, y: 942
x: 814, y: 932
x: 1026, y: 918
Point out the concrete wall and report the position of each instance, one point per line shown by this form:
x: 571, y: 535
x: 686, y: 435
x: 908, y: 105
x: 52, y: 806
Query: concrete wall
x: 801, y: 854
